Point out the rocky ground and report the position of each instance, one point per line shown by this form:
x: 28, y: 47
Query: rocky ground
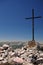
x: 27, y: 55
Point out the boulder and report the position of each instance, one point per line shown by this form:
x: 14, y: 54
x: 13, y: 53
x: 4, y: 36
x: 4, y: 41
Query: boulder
x: 5, y: 46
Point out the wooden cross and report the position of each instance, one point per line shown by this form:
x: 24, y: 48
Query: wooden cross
x: 33, y: 23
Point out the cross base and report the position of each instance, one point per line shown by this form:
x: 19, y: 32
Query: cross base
x: 32, y: 43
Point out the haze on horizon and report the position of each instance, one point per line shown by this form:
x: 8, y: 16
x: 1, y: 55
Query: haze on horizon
x: 13, y: 25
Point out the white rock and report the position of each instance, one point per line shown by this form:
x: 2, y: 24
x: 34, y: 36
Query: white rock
x: 4, y: 61
x: 41, y: 54
x: 30, y: 55
x: 23, y: 51
x: 1, y: 58
x: 1, y: 48
x: 40, y: 59
x: 5, y: 45
x: 18, y: 60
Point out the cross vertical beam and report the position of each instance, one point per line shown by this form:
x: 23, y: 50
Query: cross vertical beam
x: 32, y: 24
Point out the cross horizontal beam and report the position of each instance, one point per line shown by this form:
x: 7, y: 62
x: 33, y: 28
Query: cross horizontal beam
x: 34, y: 17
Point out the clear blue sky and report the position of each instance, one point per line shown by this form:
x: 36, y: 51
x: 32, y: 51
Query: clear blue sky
x: 13, y: 25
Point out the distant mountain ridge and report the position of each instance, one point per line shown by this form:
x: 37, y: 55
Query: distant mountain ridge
x: 14, y: 44
x: 19, y: 44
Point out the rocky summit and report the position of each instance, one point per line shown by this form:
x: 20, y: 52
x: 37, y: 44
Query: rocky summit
x: 29, y: 54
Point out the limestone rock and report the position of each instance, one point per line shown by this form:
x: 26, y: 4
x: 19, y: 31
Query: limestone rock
x: 24, y: 56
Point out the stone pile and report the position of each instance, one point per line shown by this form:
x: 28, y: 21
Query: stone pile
x: 24, y: 56
x: 9, y: 56
x: 30, y: 54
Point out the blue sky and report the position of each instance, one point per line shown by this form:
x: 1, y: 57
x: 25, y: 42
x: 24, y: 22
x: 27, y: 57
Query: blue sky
x: 13, y: 25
